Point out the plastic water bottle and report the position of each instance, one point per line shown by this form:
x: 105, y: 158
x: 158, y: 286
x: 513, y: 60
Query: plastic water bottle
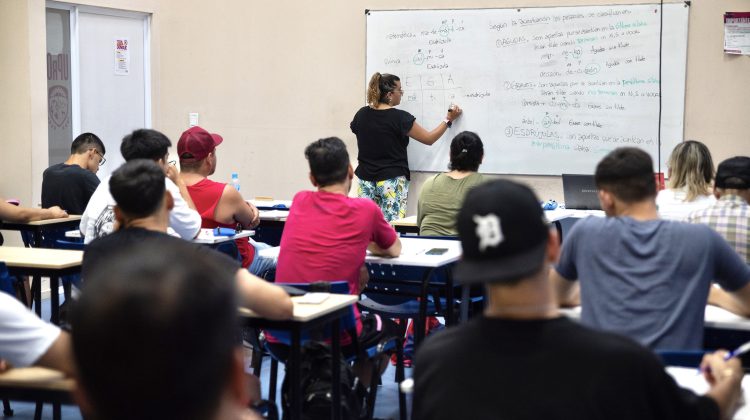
x: 236, y: 181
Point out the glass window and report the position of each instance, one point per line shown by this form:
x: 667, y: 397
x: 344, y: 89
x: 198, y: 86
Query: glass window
x: 59, y: 101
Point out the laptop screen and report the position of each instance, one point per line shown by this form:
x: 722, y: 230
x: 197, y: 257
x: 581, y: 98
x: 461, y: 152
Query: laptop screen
x: 580, y: 193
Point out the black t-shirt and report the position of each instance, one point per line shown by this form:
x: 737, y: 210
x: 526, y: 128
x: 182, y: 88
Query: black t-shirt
x: 133, y: 237
x: 68, y: 186
x: 382, y: 139
x: 545, y: 369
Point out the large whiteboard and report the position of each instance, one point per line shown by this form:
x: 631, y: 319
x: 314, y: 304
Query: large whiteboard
x: 549, y: 90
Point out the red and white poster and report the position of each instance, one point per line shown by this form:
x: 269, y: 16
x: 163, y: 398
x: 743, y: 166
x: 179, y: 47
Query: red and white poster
x: 737, y: 33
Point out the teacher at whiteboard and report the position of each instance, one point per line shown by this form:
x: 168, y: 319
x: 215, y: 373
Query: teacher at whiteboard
x: 382, y: 137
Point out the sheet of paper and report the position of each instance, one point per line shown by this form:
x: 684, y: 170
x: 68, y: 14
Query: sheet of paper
x: 122, y: 57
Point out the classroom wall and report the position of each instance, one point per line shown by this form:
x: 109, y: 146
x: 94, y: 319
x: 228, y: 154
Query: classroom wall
x: 273, y: 76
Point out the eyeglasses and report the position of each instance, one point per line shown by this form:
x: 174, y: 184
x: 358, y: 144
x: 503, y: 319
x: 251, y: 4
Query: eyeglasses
x: 102, y: 160
x: 173, y: 162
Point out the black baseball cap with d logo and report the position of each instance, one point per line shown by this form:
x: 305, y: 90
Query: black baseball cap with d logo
x: 503, y: 233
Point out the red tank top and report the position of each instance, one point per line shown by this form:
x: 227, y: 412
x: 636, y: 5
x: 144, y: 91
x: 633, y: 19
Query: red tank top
x: 206, y: 195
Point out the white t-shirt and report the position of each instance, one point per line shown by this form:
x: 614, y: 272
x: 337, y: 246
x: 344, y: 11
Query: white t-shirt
x: 672, y: 205
x: 98, y: 218
x: 24, y: 338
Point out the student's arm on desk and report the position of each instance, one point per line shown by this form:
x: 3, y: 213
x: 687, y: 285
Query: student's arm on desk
x: 264, y: 298
x: 59, y: 355
x: 568, y: 291
x: 392, y: 251
x: 233, y: 208
x: 737, y: 301
x: 11, y: 213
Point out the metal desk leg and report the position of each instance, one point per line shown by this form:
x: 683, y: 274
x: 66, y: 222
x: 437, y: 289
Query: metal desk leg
x: 36, y: 281
x: 294, y: 375
x: 420, y: 327
x: 449, y: 299
x: 465, y: 289
x: 335, y: 369
x: 37, y: 238
x: 54, y: 290
x: 36, y: 294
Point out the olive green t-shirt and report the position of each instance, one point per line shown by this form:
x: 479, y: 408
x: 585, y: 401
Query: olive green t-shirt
x: 439, y: 201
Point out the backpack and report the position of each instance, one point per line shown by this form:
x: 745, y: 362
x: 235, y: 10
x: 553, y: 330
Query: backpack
x: 316, y: 389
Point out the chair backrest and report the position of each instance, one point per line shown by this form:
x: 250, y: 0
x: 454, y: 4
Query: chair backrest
x: 348, y: 323
x: 6, y: 281
x: 66, y: 244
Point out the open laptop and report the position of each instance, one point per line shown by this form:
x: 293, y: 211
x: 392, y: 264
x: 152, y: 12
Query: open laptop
x: 580, y: 193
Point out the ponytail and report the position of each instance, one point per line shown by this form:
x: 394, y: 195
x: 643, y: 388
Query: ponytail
x: 380, y: 85
x: 373, y: 90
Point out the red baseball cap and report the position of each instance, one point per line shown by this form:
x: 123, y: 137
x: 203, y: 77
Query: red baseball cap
x: 196, y: 143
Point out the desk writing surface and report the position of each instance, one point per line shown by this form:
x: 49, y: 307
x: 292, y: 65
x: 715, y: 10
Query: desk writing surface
x: 37, y: 378
x: 306, y: 312
x: 40, y: 257
x: 271, y: 203
x: 413, y: 253
x: 688, y: 378
x: 715, y: 317
x: 206, y: 237
x: 70, y: 218
x: 273, y: 214
x: 551, y: 215
x: 406, y: 221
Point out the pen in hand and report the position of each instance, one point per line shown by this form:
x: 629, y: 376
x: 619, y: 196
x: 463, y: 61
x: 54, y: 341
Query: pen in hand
x: 738, y: 351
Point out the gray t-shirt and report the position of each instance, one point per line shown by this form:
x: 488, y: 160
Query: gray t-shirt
x: 649, y: 280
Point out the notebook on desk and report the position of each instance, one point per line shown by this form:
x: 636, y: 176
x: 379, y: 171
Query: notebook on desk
x: 580, y: 192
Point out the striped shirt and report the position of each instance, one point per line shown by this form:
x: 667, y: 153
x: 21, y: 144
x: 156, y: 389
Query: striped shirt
x: 730, y: 217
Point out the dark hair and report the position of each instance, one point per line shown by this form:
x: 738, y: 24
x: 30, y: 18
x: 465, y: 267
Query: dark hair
x: 329, y: 161
x: 628, y: 173
x: 86, y: 141
x: 380, y: 85
x: 467, y: 151
x: 138, y: 187
x: 154, y: 333
x: 144, y: 143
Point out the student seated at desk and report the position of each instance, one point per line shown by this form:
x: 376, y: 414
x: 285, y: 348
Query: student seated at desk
x: 98, y: 218
x: 219, y: 204
x: 442, y: 195
x: 26, y: 340
x: 641, y: 276
x: 142, y: 213
x: 70, y: 184
x: 156, y: 337
x: 730, y: 215
x: 17, y: 214
x: 327, y: 234
x: 522, y: 359
x: 690, y: 173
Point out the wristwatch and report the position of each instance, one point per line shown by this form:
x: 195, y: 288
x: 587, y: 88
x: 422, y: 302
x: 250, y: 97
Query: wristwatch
x: 448, y: 122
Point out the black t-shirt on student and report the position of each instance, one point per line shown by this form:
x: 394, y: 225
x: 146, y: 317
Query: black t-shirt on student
x: 68, y: 186
x: 133, y: 237
x: 382, y: 139
x: 545, y: 369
